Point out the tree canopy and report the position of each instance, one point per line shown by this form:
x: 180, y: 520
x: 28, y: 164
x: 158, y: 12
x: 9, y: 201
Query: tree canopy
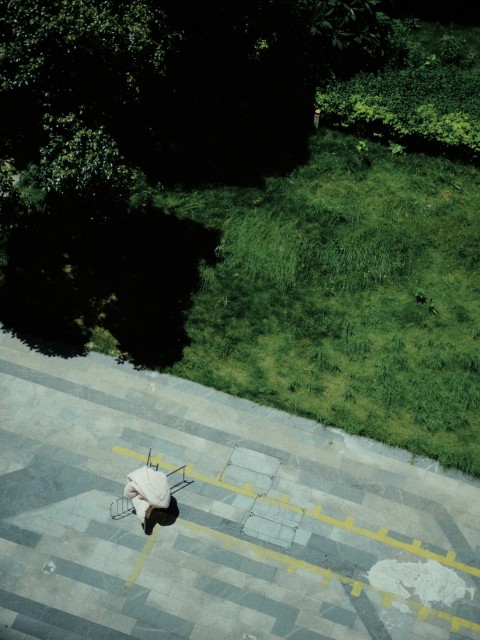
x: 209, y: 89
x: 70, y: 52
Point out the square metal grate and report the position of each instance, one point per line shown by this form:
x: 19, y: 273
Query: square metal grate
x: 272, y: 522
x: 249, y: 467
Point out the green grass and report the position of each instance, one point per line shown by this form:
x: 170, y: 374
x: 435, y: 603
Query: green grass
x: 348, y: 292
x: 430, y: 35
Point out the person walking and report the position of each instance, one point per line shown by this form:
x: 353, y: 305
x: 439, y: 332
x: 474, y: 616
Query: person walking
x: 148, y: 490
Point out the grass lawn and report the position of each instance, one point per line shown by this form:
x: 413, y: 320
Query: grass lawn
x: 347, y: 292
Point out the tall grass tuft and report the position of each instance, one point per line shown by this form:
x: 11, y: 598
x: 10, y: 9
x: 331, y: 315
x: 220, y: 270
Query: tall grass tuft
x: 264, y: 246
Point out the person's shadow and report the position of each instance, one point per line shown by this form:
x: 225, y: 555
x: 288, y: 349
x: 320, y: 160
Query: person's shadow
x: 162, y: 517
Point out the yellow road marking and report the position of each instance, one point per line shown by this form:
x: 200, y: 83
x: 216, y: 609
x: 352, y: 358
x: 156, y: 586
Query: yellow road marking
x: 381, y: 535
x: 388, y: 598
x: 422, y: 613
x: 144, y: 553
x: 259, y: 554
x: 451, y: 555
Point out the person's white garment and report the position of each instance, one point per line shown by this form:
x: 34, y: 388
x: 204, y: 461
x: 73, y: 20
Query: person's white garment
x: 147, y: 489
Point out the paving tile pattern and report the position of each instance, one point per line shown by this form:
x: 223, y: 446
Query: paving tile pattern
x: 277, y: 535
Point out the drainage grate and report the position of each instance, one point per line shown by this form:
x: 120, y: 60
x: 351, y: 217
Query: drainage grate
x: 246, y: 466
x: 271, y: 522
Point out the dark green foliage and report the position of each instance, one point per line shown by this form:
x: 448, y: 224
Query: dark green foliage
x: 419, y: 98
x: 462, y: 12
x: 78, y: 51
x: 341, y: 21
x: 96, y: 60
x: 188, y: 93
x: 341, y: 37
x: 11, y: 209
x: 430, y: 103
x: 454, y: 51
x: 79, y: 163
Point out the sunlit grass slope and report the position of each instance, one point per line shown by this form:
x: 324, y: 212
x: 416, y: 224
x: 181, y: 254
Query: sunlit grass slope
x: 348, y: 292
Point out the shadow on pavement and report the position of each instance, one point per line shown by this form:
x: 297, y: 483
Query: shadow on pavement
x: 163, y: 517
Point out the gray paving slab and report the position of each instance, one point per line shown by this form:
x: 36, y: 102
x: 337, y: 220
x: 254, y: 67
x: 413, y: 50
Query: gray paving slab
x: 17, y: 534
x: 269, y: 531
x: 299, y: 633
x: 113, y: 534
x: 246, y: 598
x: 368, y: 614
x: 255, y: 461
x: 338, y: 614
x: 209, y: 571
x: 155, y: 621
x: 452, y: 531
x: 339, y: 551
x: 225, y: 558
x: 32, y: 612
x: 240, y: 476
x: 276, y: 512
x: 37, y: 628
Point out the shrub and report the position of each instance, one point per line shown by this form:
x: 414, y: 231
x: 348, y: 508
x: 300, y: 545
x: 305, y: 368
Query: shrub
x: 409, y: 105
x: 453, y: 51
x: 85, y: 163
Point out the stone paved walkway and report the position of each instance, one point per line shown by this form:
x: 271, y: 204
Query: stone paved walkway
x: 286, y: 529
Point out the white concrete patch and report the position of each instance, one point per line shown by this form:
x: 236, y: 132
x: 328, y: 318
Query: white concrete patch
x: 428, y: 581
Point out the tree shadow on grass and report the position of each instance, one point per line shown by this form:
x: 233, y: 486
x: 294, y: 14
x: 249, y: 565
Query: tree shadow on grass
x: 132, y: 277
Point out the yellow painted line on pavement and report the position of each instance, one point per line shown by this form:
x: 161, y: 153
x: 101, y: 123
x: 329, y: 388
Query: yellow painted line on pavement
x: 388, y: 599
x: 316, y: 512
x: 144, y: 553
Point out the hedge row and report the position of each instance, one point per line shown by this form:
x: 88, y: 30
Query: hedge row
x: 438, y: 105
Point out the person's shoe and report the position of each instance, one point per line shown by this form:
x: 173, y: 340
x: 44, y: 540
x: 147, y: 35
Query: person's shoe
x: 148, y: 527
